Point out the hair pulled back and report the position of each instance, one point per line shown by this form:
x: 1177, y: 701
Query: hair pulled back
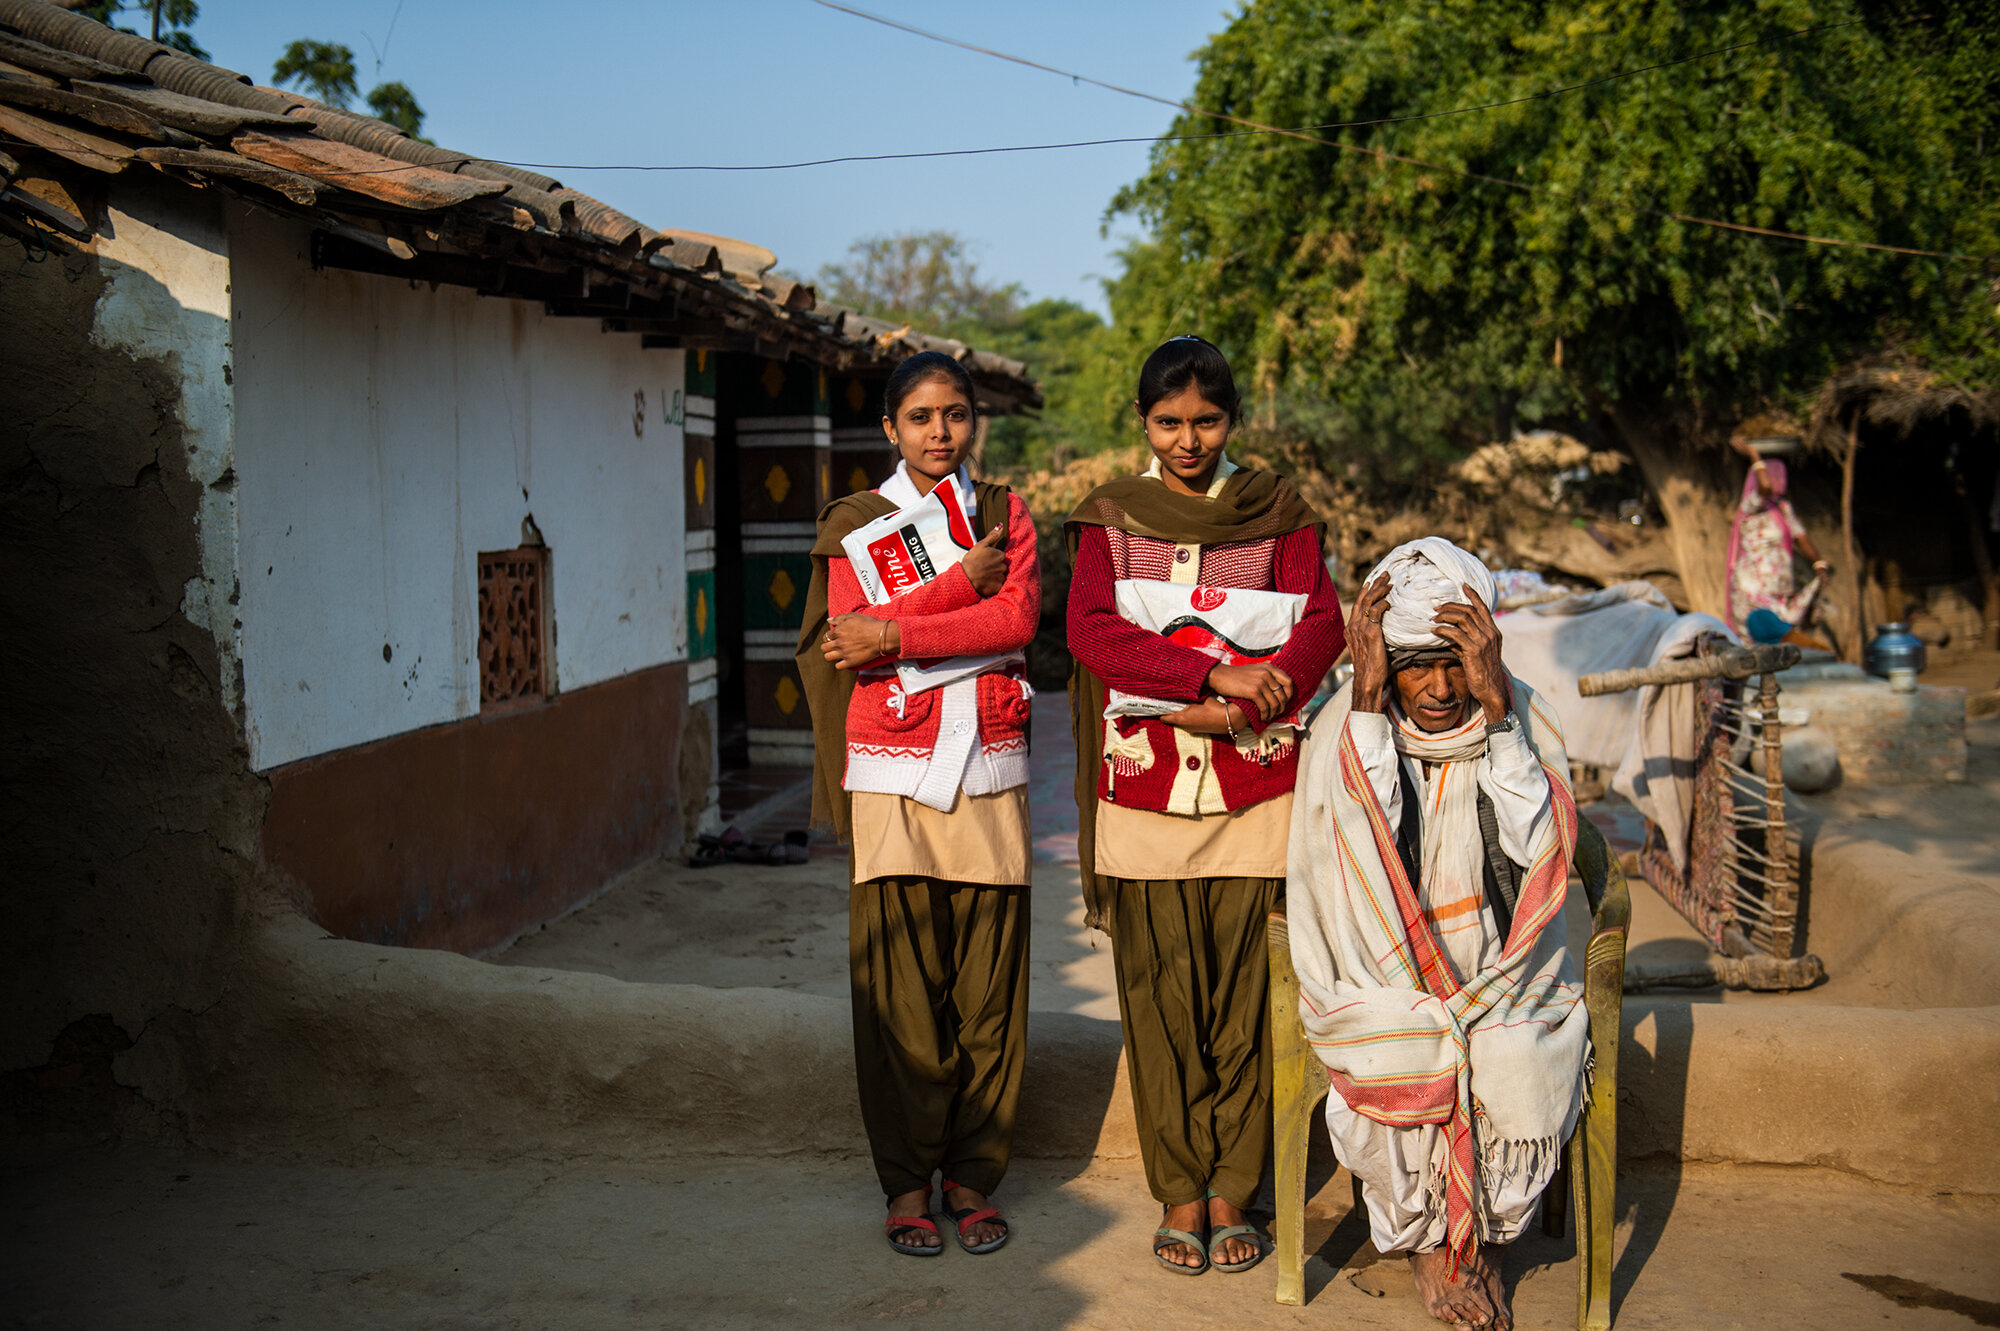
x: 1185, y: 362
x: 922, y: 368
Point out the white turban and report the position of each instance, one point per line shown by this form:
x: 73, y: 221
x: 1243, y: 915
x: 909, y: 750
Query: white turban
x: 1423, y: 575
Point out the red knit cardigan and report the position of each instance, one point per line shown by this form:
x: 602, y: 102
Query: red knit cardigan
x: 1136, y: 660
x: 891, y: 735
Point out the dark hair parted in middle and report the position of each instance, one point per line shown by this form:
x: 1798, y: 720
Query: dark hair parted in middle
x: 1183, y: 362
x: 921, y: 368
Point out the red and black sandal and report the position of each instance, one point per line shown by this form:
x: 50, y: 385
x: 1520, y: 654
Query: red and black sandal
x: 970, y: 1216
x: 896, y: 1226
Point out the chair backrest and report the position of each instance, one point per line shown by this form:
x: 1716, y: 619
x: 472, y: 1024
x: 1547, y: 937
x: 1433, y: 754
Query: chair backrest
x: 1604, y: 888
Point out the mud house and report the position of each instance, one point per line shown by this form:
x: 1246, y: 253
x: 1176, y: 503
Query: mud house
x: 497, y: 500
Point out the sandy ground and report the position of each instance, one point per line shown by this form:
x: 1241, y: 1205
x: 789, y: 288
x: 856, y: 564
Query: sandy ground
x: 143, y: 1238
x: 1955, y: 827
x: 785, y: 927
x: 151, y: 1237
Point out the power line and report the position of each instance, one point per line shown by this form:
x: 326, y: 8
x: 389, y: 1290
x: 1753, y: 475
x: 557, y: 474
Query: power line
x: 1250, y: 128
x: 1386, y: 156
x: 873, y: 157
x: 1337, y: 124
x: 1254, y: 128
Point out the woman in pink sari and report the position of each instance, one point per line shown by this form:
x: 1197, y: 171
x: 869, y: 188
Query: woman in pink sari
x: 1763, y: 604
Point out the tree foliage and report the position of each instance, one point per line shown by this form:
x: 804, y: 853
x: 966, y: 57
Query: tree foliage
x: 930, y: 281
x: 928, y: 278
x: 176, y: 19
x: 326, y: 71
x: 395, y: 103
x: 323, y: 70
x: 1396, y: 314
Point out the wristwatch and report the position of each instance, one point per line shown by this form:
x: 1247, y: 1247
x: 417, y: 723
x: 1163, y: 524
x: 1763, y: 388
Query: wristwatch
x: 1507, y: 723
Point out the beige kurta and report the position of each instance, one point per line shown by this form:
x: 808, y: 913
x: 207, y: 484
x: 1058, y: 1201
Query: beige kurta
x: 1148, y: 845
x: 980, y: 839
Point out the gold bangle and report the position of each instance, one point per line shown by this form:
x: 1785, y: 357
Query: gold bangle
x: 1227, y: 724
x: 882, y: 640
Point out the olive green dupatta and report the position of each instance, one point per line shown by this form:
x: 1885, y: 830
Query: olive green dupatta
x: 1251, y: 506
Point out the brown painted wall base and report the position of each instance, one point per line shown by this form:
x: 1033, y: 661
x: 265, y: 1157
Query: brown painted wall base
x: 461, y: 836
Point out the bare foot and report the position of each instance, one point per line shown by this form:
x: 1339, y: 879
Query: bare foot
x: 1233, y: 1250
x: 1490, y: 1255
x: 1188, y: 1219
x: 916, y: 1203
x: 965, y: 1199
x: 1460, y: 1302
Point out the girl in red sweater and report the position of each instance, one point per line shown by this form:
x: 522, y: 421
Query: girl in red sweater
x: 930, y: 788
x: 1184, y: 817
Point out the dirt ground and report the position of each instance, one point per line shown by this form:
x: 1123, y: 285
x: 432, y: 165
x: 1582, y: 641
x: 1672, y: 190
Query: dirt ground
x: 154, y: 1237
x: 785, y: 927
x: 1955, y: 827
x: 149, y: 1238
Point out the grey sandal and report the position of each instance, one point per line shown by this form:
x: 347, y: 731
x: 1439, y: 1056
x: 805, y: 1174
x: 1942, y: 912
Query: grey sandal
x: 1164, y: 1237
x: 1227, y: 1232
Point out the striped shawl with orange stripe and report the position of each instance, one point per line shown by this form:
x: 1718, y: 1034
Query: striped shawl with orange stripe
x: 1405, y: 1039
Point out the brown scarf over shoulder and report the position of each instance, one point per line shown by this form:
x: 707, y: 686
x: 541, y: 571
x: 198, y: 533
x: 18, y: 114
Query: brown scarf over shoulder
x: 1253, y: 506
x: 827, y: 689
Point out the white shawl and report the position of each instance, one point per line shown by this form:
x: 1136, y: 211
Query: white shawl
x: 1405, y: 1039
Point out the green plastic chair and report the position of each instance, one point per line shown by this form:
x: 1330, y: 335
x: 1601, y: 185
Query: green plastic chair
x: 1299, y: 1084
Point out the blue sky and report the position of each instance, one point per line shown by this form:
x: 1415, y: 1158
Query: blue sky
x: 675, y: 81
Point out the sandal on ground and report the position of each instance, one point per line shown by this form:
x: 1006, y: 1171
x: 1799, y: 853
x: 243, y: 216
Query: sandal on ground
x: 1164, y: 1238
x: 970, y: 1216
x: 1218, y: 1237
x: 896, y: 1226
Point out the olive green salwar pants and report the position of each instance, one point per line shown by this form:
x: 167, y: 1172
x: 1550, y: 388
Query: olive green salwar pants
x: 940, y: 982
x: 1194, y: 980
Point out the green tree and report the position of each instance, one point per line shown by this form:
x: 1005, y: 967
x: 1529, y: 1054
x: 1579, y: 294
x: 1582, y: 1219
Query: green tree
x: 395, y: 103
x: 326, y: 71
x: 167, y: 21
x: 1394, y: 314
x: 930, y: 281
x: 1086, y: 384
x: 323, y: 70
x: 926, y: 278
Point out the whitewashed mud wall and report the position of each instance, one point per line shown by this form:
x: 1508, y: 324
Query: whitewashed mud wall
x: 386, y: 433
x: 165, y: 260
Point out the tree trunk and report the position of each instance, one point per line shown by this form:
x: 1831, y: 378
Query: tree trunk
x: 1982, y: 563
x: 1850, y: 552
x: 1691, y: 489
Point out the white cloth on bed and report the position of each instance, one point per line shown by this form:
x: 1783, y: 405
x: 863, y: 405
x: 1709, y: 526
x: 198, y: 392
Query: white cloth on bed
x: 1644, y: 736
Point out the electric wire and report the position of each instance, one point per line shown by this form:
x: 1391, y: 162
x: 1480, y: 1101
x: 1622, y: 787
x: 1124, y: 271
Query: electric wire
x: 1336, y: 124
x: 1248, y: 128
x: 1387, y: 156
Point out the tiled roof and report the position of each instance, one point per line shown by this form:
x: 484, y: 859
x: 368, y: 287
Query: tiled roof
x: 72, y: 88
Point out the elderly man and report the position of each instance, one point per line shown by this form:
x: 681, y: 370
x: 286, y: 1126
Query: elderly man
x: 1430, y: 850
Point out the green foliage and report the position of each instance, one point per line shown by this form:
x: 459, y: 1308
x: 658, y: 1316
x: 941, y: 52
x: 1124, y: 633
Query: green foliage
x: 1085, y: 382
x: 395, y: 103
x: 930, y: 281
x: 1394, y: 315
x: 323, y: 70
x: 927, y: 278
x: 176, y: 17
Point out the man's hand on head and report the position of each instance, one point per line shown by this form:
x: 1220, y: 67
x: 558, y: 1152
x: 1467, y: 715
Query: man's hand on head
x: 1368, y: 648
x: 1468, y: 626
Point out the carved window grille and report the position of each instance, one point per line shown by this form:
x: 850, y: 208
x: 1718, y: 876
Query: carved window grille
x: 513, y: 627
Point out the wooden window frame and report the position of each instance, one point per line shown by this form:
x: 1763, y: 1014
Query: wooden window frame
x: 506, y: 683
